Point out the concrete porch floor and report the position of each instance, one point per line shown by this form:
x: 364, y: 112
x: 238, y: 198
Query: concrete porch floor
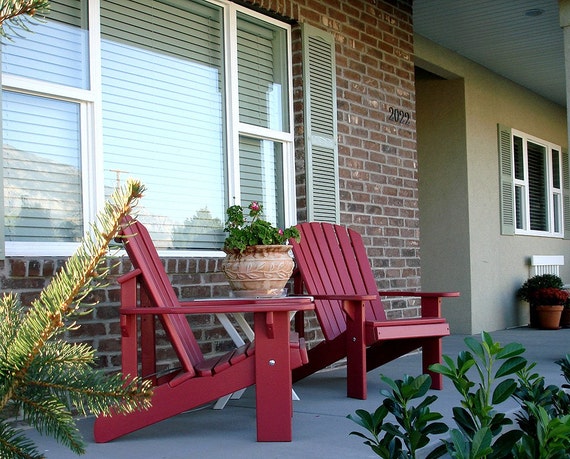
x: 320, y: 426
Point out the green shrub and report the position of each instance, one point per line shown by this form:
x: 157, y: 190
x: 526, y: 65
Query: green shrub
x: 486, y: 375
x: 541, y: 281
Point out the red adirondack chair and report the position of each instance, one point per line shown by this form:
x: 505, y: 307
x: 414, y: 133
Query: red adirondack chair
x: 146, y: 293
x: 333, y: 267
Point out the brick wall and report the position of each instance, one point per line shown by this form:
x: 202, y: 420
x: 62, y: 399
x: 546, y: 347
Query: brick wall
x: 377, y: 156
x: 377, y: 161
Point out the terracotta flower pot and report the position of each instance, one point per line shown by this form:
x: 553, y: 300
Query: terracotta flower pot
x: 260, y: 271
x: 565, y: 318
x: 549, y: 317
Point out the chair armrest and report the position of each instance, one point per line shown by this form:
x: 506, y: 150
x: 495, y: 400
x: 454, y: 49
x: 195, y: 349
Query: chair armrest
x: 128, y: 276
x: 430, y: 301
x: 345, y: 297
x: 418, y: 294
x: 225, y: 306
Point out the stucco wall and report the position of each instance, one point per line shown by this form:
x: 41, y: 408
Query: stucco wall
x: 444, y: 210
x: 496, y: 265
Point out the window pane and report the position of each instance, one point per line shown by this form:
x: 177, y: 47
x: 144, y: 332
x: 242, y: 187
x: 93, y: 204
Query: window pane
x: 42, y: 169
x: 519, y: 202
x: 260, y: 176
x: 537, y: 186
x: 56, y: 50
x: 556, y: 169
x: 163, y: 115
x: 557, y: 214
x: 262, y: 76
x: 519, y: 157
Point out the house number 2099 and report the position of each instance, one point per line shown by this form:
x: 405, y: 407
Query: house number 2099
x: 399, y: 116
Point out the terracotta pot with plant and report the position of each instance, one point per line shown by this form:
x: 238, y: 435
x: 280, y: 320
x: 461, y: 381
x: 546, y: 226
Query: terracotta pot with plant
x: 565, y: 319
x: 527, y: 292
x: 549, y: 303
x: 258, y: 262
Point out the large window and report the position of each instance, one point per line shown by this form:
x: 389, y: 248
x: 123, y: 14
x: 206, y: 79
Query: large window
x: 191, y: 97
x: 534, y: 192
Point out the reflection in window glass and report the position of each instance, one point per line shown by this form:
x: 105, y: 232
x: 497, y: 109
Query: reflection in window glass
x: 42, y: 169
x: 163, y: 117
x: 262, y: 76
x: 260, y: 171
x: 519, y: 157
x: 519, y: 200
x: 57, y: 49
x: 537, y: 186
x: 556, y: 169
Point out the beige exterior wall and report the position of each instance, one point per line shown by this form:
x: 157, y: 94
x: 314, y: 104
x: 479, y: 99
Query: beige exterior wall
x: 461, y: 241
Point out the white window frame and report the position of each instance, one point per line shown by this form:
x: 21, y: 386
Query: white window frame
x: 92, y: 136
x: 551, y: 192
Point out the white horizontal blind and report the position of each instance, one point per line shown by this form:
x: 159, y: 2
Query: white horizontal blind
x: 537, y: 186
x: 261, y: 78
x: 556, y: 191
x: 260, y: 176
x: 163, y: 115
x: 56, y: 50
x: 42, y: 170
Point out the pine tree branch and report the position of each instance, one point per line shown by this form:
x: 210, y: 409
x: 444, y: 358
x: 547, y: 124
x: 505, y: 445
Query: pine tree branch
x: 9, y: 9
x: 15, y: 445
x: 58, y: 301
x: 16, y: 14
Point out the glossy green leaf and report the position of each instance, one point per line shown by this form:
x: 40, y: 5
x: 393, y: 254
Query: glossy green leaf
x: 481, y: 444
x: 464, y: 420
x: 503, y: 391
x: 511, y: 366
x: 510, y: 350
x: 476, y: 347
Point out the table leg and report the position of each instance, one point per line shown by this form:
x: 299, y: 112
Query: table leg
x: 238, y: 341
x: 273, y: 376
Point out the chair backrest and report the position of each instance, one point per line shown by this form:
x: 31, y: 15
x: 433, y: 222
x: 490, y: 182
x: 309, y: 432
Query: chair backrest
x: 157, y: 286
x: 332, y: 259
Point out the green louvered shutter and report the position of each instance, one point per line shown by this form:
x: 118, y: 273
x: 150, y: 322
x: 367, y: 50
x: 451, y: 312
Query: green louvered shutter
x: 566, y: 192
x: 506, y: 181
x: 321, y: 148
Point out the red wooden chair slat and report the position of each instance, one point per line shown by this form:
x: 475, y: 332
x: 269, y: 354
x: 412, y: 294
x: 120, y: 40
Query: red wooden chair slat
x: 333, y: 266
x: 199, y: 380
x: 143, y: 255
x: 319, y: 271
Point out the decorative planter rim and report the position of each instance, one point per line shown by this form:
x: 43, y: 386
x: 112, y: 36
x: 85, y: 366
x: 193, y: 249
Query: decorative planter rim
x: 259, y: 248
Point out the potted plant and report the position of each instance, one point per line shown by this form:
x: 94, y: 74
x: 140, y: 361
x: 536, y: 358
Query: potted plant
x: 565, y: 319
x: 549, y: 303
x: 258, y: 262
x: 529, y: 288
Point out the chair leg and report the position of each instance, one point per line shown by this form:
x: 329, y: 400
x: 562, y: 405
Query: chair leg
x: 356, y: 369
x: 355, y: 350
x: 431, y: 353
